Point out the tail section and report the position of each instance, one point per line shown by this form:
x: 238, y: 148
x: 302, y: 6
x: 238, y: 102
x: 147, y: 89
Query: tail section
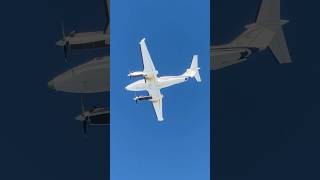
x: 269, y: 12
x: 269, y: 17
x: 193, y: 71
x: 267, y: 32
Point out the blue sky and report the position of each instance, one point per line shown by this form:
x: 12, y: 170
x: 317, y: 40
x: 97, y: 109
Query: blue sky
x: 141, y: 147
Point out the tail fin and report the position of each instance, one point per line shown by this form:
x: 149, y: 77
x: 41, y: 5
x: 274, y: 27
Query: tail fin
x: 269, y: 11
x: 269, y: 17
x: 193, y: 71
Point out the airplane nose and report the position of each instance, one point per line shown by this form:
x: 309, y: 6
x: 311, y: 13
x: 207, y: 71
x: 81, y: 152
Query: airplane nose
x: 127, y: 88
x: 60, y: 43
x: 51, y: 85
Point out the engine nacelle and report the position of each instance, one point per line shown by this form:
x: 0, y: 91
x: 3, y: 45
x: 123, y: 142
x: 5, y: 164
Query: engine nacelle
x: 137, y: 74
x: 142, y: 98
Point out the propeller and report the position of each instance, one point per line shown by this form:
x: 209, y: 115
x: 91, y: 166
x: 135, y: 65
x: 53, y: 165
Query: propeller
x: 66, y: 43
x: 84, y: 127
x: 106, y: 8
x: 65, y: 50
x: 63, y: 31
x: 85, y: 121
x: 136, y: 99
x: 129, y: 74
x: 82, y: 105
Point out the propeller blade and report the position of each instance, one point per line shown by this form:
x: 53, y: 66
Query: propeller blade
x: 129, y: 74
x: 106, y: 8
x: 65, y: 50
x: 63, y: 31
x: 136, y: 99
x: 82, y: 105
x: 85, y: 126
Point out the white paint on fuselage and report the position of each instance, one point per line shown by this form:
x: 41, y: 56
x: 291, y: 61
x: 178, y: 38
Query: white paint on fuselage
x: 161, y: 82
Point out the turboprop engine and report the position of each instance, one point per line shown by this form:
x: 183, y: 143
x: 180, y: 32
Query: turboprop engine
x: 142, y: 98
x: 136, y: 74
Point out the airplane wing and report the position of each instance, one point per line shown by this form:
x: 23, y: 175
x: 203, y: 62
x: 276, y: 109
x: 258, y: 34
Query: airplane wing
x: 149, y: 68
x: 157, y: 102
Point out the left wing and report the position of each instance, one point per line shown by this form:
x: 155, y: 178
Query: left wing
x: 149, y: 68
x: 156, y: 102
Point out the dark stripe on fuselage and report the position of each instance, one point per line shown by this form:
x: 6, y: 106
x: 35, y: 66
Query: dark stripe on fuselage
x: 246, y: 51
x: 145, y: 98
x: 101, y: 119
x: 91, y: 45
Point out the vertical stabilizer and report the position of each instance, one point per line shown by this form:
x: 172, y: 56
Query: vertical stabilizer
x: 269, y: 18
x: 193, y: 71
x: 269, y: 12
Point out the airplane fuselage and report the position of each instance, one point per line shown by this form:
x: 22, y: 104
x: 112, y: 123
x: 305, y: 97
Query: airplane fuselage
x: 224, y: 56
x: 159, y: 83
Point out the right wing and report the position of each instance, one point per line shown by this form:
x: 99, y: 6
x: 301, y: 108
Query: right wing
x: 157, y: 102
x: 149, y: 68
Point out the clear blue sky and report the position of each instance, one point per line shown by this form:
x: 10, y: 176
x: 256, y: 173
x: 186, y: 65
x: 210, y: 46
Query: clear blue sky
x: 179, y: 147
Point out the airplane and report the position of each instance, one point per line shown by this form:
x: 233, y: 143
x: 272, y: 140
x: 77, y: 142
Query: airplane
x: 86, y: 40
x: 265, y: 33
x: 153, y: 84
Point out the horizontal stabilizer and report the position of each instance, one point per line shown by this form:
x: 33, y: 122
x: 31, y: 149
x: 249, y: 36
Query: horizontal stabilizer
x: 193, y: 71
x: 279, y: 47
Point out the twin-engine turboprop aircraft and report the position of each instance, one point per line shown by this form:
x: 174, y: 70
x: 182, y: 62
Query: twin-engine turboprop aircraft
x: 265, y: 33
x: 154, y: 84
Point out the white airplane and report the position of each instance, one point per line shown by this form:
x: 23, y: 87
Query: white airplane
x: 154, y: 84
x: 265, y: 33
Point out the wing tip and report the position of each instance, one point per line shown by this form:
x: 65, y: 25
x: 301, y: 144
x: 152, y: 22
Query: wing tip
x: 142, y: 40
x: 160, y: 119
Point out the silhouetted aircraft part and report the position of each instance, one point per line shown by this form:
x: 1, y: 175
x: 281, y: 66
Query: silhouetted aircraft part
x: 266, y: 32
x: 90, y: 77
